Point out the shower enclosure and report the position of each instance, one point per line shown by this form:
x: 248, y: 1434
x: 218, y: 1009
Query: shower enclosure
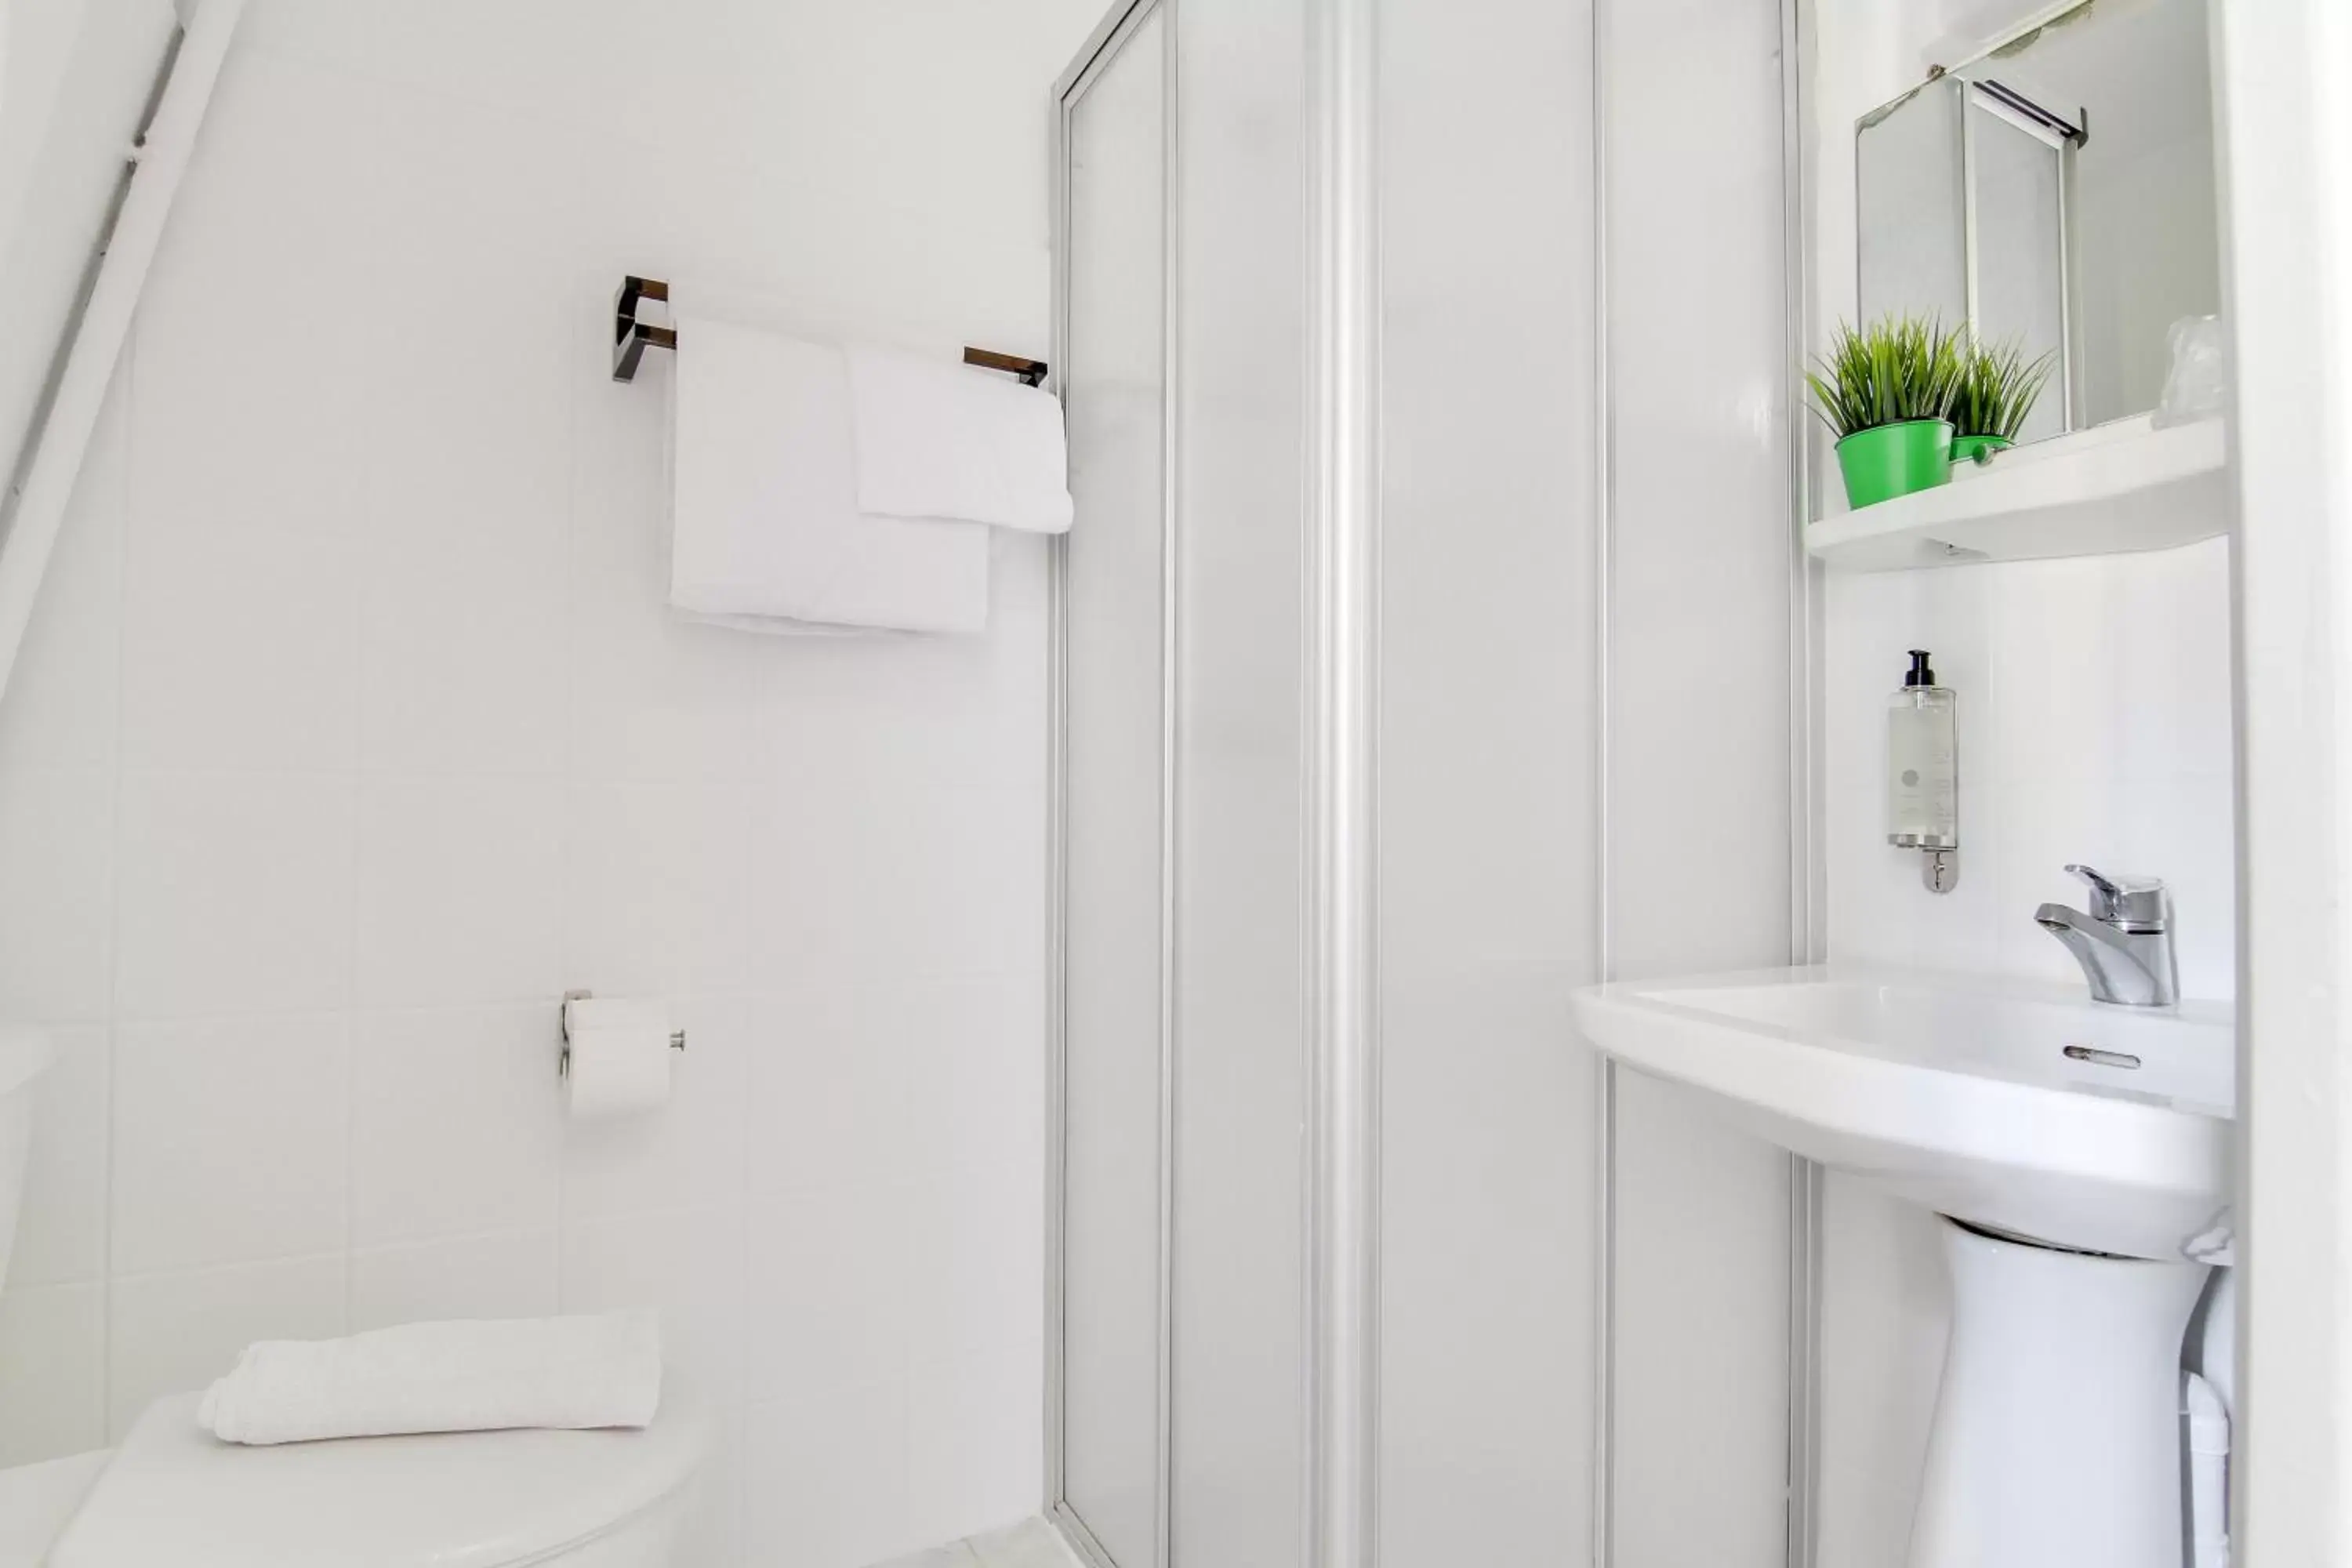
x: 1374, y: 643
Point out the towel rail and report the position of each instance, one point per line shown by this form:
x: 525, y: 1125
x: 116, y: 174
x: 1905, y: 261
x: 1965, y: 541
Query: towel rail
x: 631, y: 338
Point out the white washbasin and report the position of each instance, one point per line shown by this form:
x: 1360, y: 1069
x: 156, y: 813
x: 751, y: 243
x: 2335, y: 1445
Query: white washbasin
x: 2007, y: 1104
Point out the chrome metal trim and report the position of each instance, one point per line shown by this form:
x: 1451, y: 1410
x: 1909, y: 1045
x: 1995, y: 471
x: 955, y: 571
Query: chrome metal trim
x: 2012, y: 108
x: 1805, y: 1180
x: 1057, y: 575
x: 1342, y: 1403
x: 1123, y: 17
x: 1171, y: 781
x: 1970, y: 165
x: 1807, y: 890
x: 2070, y: 357
x: 1604, y: 502
x: 1117, y: 26
x: 1077, y: 1536
x: 2017, y: 30
x: 1604, y: 1316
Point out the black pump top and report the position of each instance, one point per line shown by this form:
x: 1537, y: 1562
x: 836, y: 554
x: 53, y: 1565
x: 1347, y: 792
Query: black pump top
x: 1919, y: 674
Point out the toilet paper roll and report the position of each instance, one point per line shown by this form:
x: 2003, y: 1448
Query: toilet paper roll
x: 620, y: 1057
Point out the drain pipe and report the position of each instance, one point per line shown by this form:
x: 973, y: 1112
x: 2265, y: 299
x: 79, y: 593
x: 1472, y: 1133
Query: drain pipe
x: 2207, y: 1427
x: 93, y: 342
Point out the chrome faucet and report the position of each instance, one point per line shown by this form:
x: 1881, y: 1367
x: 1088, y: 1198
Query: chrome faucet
x: 2125, y: 943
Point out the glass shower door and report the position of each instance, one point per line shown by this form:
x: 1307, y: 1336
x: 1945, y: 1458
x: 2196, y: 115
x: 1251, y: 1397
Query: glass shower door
x: 1113, y: 600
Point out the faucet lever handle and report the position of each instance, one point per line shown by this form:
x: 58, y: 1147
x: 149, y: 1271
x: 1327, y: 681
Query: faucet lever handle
x: 2130, y: 903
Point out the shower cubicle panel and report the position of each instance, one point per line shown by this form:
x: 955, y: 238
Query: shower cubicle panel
x: 1112, y: 591
x: 1295, y: 235
x: 1176, y: 1418
x: 1238, y: 1455
x: 1489, y: 766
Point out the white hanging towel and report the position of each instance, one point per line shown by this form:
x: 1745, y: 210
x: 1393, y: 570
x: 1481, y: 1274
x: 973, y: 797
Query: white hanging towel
x: 766, y: 533
x: 939, y: 439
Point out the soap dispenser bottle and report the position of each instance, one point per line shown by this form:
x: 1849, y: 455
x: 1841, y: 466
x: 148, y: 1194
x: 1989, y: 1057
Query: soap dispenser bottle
x: 1923, y: 773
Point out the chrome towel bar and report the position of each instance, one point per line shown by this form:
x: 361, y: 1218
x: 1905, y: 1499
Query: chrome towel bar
x: 631, y: 338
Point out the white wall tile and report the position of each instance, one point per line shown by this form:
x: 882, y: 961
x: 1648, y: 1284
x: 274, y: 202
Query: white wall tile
x: 967, y: 1290
x: 926, y: 895
x: 467, y: 516
x: 506, y: 62
x: 716, y: 1535
x: 461, y: 884
x: 485, y: 177
x: 284, y: 448
x: 229, y: 1140
x: 62, y: 706
x: 56, y: 855
x: 168, y: 1333
x: 457, y: 1122
x: 238, y: 650
x: 235, y: 892
x: 506, y: 1274
x: 832, y: 1485
x: 249, y: 394
x: 688, y: 1266
x: 827, y: 1091
x: 975, y: 1068
x: 654, y: 698
x: 877, y: 712
x: 462, y: 665
x: 52, y: 1370
x: 61, y: 1228
x: 2094, y: 727
x: 974, y: 1433
x: 659, y: 888
x: 829, y: 1277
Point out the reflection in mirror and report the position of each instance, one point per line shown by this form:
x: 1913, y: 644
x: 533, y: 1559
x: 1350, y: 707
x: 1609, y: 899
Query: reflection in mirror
x: 2057, y: 191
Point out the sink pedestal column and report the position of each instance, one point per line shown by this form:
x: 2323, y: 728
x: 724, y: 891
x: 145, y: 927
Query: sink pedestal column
x: 2056, y: 1442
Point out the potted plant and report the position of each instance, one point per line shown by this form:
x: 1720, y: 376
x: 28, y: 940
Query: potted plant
x: 1997, y: 391
x: 1886, y: 393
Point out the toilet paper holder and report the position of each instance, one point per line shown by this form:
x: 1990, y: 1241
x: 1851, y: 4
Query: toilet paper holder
x: 564, y: 1016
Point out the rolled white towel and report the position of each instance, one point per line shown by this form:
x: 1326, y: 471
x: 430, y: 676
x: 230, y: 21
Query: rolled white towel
x: 577, y: 1372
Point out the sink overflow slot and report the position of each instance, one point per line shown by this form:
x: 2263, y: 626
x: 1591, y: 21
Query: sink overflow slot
x: 2103, y: 1059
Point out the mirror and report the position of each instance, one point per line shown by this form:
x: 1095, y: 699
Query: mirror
x: 2058, y: 190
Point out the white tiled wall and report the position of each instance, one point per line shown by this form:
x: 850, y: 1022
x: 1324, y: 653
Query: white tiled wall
x: 353, y: 730
x: 2094, y: 727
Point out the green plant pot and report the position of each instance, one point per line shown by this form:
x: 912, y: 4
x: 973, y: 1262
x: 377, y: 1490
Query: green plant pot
x: 1979, y: 448
x: 1890, y: 460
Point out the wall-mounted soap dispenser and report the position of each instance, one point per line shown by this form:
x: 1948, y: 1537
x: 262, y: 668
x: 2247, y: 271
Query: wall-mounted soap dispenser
x: 1923, y: 773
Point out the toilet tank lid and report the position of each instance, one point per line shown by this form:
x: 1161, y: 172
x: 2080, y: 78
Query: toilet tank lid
x: 175, y: 1495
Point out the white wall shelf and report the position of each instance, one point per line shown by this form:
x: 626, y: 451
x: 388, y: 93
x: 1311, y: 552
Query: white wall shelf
x: 2115, y: 489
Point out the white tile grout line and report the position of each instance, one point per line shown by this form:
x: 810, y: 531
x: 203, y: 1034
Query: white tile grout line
x: 566, y: 628
x: 357, y: 787
x: 127, y: 367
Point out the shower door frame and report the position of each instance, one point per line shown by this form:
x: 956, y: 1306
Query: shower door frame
x: 1807, y: 882
x: 1117, y: 27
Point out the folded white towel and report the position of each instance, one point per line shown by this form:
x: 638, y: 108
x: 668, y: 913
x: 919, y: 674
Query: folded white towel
x: 940, y: 439
x: 578, y: 1372
x: 765, y: 527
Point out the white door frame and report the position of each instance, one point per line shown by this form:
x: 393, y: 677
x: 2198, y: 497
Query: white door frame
x: 2286, y: 169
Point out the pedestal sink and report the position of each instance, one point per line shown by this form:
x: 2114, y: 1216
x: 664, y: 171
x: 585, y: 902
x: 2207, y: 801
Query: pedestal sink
x: 2080, y: 1154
